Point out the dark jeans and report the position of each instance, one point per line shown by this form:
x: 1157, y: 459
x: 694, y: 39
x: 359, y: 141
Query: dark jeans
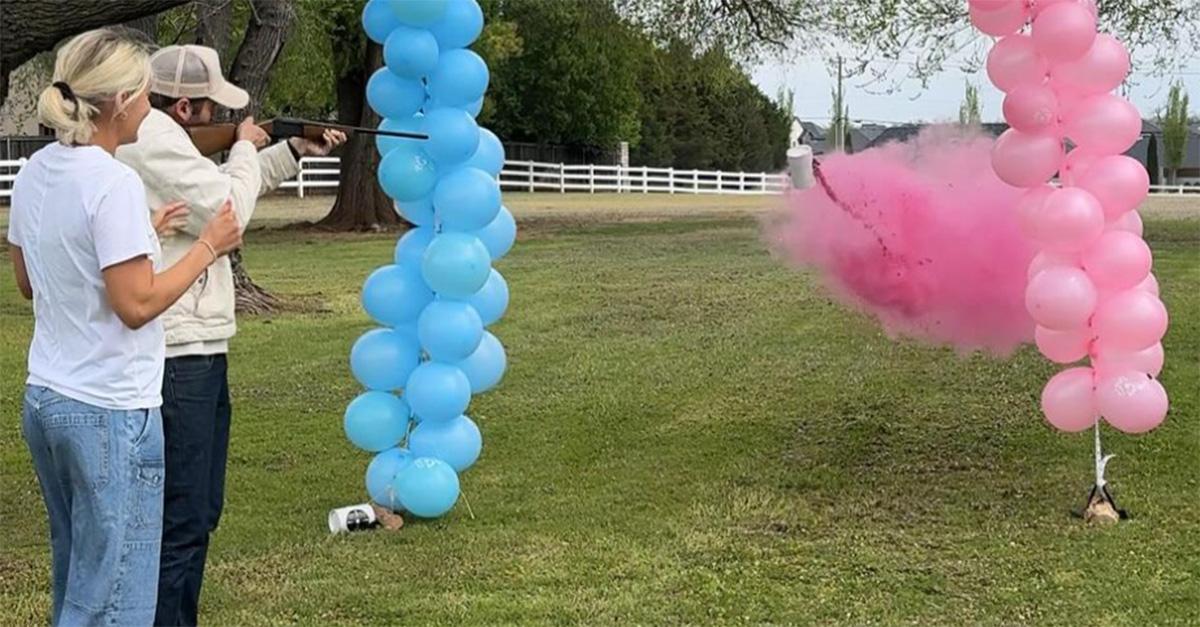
x: 196, y: 434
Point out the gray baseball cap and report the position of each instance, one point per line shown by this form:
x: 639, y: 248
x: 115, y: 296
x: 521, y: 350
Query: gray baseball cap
x: 193, y: 72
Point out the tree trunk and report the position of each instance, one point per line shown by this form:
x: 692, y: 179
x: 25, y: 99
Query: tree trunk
x: 27, y: 28
x: 147, y: 24
x: 249, y: 297
x: 361, y: 203
x: 214, y: 22
x: 270, y: 23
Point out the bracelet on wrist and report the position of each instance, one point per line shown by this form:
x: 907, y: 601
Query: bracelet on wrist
x: 211, y: 250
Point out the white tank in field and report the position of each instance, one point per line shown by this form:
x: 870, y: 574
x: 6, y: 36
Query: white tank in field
x: 800, y: 166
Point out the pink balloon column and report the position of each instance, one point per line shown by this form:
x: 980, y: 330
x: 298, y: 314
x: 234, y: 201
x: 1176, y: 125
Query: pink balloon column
x: 1090, y: 289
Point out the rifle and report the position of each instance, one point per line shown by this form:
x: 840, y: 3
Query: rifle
x: 213, y: 138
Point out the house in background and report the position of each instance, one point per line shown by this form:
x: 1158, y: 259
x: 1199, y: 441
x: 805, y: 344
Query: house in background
x: 1148, y: 150
x: 816, y: 137
x: 809, y: 134
x: 1152, y: 152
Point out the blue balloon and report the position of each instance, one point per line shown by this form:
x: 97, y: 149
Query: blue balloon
x: 453, y: 135
x: 472, y: 109
x: 475, y: 107
x: 382, y: 471
x: 498, y: 236
x: 411, y: 124
x: 460, y: 26
x: 491, y: 301
x: 376, y: 421
x: 394, y: 296
x: 466, y: 199
x: 418, y: 212
x: 438, y: 391
x: 419, y: 12
x: 449, y: 330
x: 411, y: 247
x: 489, y: 156
x: 407, y: 173
x: 394, y: 97
x: 456, y: 442
x: 428, y: 488
x: 485, y: 367
x: 383, y: 359
x: 461, y: 77
x: 456, y: 265
x: 411, y: 53
x: 379, y: 20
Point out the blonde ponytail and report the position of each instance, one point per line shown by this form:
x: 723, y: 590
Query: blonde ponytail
x: 95, y: 67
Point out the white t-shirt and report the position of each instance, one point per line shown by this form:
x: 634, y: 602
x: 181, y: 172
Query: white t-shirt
x: 76, y: 211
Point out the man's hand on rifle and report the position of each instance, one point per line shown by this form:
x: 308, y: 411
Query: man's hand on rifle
x: 249, y: 131
x: 332, y: 138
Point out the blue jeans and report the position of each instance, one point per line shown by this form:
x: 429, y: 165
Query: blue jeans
x: 101, y: 473
x: 196, y: 415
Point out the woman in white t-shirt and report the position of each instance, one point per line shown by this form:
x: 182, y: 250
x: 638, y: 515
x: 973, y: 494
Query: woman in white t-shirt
x: 84, y: 251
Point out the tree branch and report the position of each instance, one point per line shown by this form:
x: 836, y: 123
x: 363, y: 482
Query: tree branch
x: 27, y: 28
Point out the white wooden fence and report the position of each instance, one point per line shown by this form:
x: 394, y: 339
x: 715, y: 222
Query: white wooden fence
x: 8, y: 173
x: 531, y: 176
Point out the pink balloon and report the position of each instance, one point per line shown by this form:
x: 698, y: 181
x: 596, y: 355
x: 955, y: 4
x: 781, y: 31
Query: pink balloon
x: 1075, y: 165
x: 1149, y: 285
x: 1106, y: 124
x: 1032, y: 109
x: 1132, y: 401
x: 1117, y: 261
x: 1041, y: 5
x: 1060, y: 298
x: 1070, y: 220
x: 1130, y: 222
x: 1130, y: 320
x: 1029, y: 209
x: 1113, y: 360
x: 1069, y: 400
x: 1015, y: 61
x: 1047, y: 259
x: 1120, y: 183
x: 1064, y: 32
x: 1026, y: 160
x: 1100, y: 70
x: 990, y: 5
x: 1005, y: 20
x: 1063, y: 347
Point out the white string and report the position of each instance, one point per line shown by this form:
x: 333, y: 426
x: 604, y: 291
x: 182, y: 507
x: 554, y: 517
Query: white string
x: 1101, y: 460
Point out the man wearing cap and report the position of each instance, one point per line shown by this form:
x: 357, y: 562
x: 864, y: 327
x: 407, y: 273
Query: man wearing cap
x: 185, y: 86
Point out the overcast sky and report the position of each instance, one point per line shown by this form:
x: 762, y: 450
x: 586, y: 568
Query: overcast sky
x: 812, y: 81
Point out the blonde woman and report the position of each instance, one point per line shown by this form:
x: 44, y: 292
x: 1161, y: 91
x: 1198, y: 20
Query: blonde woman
x: 84, y: 250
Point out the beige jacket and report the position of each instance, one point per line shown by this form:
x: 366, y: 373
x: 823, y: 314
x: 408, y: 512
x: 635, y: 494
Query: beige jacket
x: 171, y: 167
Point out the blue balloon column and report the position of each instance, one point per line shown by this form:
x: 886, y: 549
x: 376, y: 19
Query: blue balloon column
x: 438, y: 297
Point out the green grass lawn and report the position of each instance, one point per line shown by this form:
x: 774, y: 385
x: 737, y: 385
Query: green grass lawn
x: 688, y: 432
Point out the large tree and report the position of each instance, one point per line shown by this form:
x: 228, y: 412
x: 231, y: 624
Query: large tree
x: 30, y: 27
x: 270, y: 22
x: 360, y: 203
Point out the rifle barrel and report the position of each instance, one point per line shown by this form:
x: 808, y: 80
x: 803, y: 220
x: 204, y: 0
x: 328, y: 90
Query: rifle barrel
x: 375, y: 131
x: 292, y: 126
